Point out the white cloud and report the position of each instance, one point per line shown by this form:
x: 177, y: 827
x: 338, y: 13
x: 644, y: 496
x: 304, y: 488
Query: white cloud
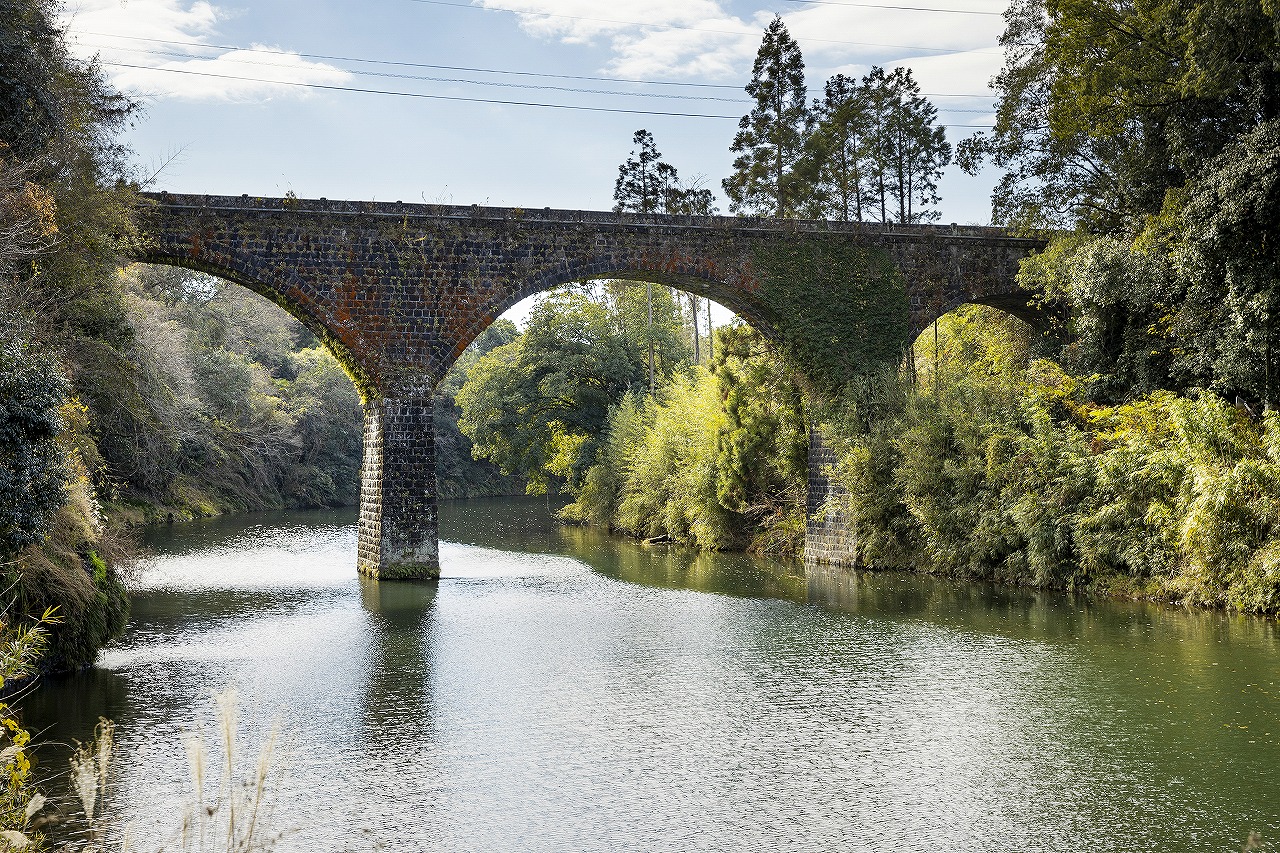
x: 701, y: 40
x: 580, y: 21
x: 161, y: 48
x: 960, y: 73
x: 664, y: 38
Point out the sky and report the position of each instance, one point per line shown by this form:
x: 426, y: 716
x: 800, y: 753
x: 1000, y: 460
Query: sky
x: 259, y: 97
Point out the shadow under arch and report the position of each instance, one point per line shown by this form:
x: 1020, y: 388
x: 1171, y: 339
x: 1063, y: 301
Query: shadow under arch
x: 1017, y: 304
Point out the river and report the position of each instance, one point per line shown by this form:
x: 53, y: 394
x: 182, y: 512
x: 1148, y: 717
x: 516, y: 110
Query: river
x: 563, y: 690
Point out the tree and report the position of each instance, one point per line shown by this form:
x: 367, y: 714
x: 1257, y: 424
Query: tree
x: 903, y: 153
x: 1106, y: 105
x: 838, y: 151
x: 648, y: 184
x: 915, y: 150
x: 1227, y: 321
x: 762, y: 451
x: 534, y: 407
x: 32, y: 468
x: 771, y: 138
x: 645, y: 181
x: 28, y: 224
x: 458, y: 473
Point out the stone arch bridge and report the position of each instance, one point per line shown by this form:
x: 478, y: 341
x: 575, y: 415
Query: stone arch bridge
x: 397, y: 292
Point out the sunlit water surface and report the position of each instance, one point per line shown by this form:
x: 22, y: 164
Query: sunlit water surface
x: 563, y: 690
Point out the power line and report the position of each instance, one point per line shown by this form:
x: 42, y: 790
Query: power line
x: 897, y: 8
x: 329, y: 57
x: 335, y: 88
x: 493, y: 83
x: 387, y: 74
x: 652, y: 25
x: 414, y: 64
x: 422, y: 95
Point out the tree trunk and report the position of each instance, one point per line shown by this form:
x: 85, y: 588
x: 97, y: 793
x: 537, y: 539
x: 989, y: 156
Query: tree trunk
x: 648, y: 295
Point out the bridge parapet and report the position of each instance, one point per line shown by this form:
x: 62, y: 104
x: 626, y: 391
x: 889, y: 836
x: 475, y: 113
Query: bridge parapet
x: 561, y: 216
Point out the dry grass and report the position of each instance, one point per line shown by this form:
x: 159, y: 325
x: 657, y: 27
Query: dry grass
x: 228, y: 809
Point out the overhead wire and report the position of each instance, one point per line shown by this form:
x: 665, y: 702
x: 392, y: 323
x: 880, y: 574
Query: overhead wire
x: 436, y: 97
x: 651, y: 25
x: 570, y: 89
x: 423, y: 78
x: 332, y: 58
x: 468, y: 69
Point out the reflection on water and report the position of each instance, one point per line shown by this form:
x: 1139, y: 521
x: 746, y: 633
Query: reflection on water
x: 564, y: 690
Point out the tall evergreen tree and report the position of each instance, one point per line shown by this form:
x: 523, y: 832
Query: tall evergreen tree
x: 771, y: 138
x: 838, y: 150
x: 904, y: 154
x: 916, y: 151
x: 645, y: 181
x: 648, y: 184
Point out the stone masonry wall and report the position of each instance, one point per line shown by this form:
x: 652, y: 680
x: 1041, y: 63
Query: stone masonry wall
x: 398, y: 528
x: 827, y: 537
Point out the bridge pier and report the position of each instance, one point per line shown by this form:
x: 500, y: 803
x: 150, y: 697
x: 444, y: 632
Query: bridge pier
x: 398, y: 528
x: 828, y: 539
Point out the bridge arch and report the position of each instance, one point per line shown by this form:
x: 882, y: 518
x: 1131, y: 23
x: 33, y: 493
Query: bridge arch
x: 274, y: 288
x: 398, y: 291
x: 699, y: 284
x: 1016, y: 303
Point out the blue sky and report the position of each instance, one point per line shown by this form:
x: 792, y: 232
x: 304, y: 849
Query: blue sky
x: 212, y: 134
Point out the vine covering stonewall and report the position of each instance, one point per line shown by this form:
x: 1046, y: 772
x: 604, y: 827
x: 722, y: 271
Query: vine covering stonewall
x: 842, y: 309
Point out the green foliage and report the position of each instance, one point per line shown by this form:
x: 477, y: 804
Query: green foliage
x: 1153, y: 129
x: 842, y: 309
x: 997, y: 465
x: 668, y: 486
x: 837, y: 152
x: 1188, y: 304
x: 66, y: 205
x: 645, y: 180
x: 1120, y: 303
x: 224, y: 403
x: 326, y: 438
x: 874, y: 152
x: 1106, y: 106
x: 648, y: 184
x: 537, y: 406
x: 32, y: 469
x: 48, y: 100
x: 21, y: 646
x: 762, y: 450
x: 458, y: 473
x: 771, y: 138
x: 714, y: 461
x: 1228, y: 219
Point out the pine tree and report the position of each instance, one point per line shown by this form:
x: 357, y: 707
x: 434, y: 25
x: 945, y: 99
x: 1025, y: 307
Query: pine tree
x: 905, y: 153
x: 838, y: 150
x: 771, y: 138
x: 645, y: 181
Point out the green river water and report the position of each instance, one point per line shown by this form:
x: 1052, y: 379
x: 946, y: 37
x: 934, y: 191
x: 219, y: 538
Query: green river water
x: 563, y: 690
